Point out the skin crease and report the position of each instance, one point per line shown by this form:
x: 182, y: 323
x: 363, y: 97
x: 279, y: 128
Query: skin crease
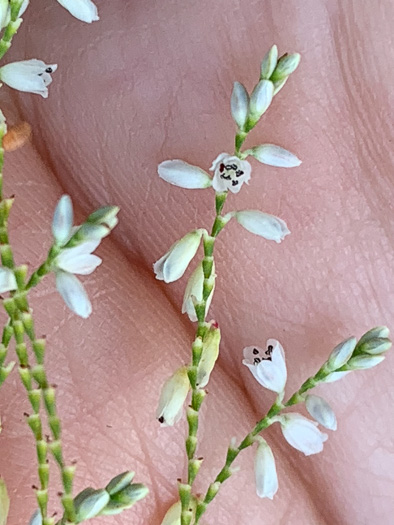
x: 151, y: 81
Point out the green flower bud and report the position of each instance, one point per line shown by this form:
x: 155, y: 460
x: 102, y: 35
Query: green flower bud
x: 287, y: 64
x: 374, y: 346
x: 269, y: 62
x: 119, y: 482
x: 89, y: 503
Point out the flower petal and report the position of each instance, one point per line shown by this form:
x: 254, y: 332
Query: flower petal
x: 341, y: 354
x: 275, y: 156
x: 230, y: 173
x: 84, y: 10
x: 173, y: 515
x: 32, y: 76
x: 320, y: 410
x: 268, y: 226
x: 172, y: 398
x: 194, y: 288
x: 265, y: 471
x: 73, y: 293
x: 80, y: 264
x: 62, y: 220
x: 184, y: 175
x: 260, y: 100
x: 335, y: 376
x: 302, y: 433
x: 36, y: 519
x: 239, y: 104
x: 7, y: 280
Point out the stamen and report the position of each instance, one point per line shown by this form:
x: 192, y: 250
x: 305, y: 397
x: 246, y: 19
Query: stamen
x: 49, y: 70
x: 256, y: 360
x: 255, y: 351
x: 161, y: 419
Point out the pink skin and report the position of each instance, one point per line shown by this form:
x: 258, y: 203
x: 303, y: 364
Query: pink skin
x: 152, y: 81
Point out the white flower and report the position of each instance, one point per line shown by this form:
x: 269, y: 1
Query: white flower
x: 184, y: 175
x: 194, y: 288
x: 84, y: 10
x: 275, y: 156
x: 62, y: 220
x: 32, y: 76
x: 268, y: 365
x: 230, y: 173
x: 172, y: 398
x: 320, y: 410
x: 265, y: 470
x: 174, y: 263
x: 239, y: 105
x: 7, y: 280
x: 36, y: 519
x: 210, y: 353
x: 268, y: 226
x: 301, y: 433
x: 341, y: 354
x: 260, y: 100
x: 77, y: 260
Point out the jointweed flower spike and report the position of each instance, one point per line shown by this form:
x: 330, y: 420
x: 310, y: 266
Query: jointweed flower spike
x: 32, y: 76
x: 267, y: 365
x: 230, y: 172
x: 265, y: 470
x: 172, y: 398
x: 301, y: 433
x: 84, y: 10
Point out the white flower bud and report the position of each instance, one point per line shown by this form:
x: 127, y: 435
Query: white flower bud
x: 172, y: 398
x: 24, y: 6
x: 36, y: 519
x: 275, y: 156
x: 341, y: 354
x: 268, y: 226
x: 377, y: 332
x: 4, y: 503
x: 268, y: 365
x: 279, y: 85
x: 375, y: 346
x: 84, y: 10
x: 106, y: 216
x: 32, y: 76
x: 174, y: 263
x: 7, y: 280
x: 173, y: 515
x: 230, y: 173
x: 184, y: 175
x: 89, y: 503
x: 4, y: 15
x: 265, y: 471
x: 62, y: 220
x: 363, y: 362
x: 320, y: 410
x: 287, y: 64
x: 269, y: 62
x: 194, y: 288
x: 260, y: 100
x: 301, y: 433
x: 210, y: 353
x: 239, y: 104
x: 335, y: 376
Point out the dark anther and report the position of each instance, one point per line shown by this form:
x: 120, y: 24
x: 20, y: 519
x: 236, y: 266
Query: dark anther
x: 227, y: 177
x: 255, y: 351
x: 234, y: 182
x: 239, y: 173
x: 161, y: 419
x: 49, y: 70
x: 270, y: 348
x: 26, y: 414
x: 256, y: 360
x: 221, y: 168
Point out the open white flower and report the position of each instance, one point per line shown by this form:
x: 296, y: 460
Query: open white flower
x: 174, y: 263
x: 32, y: 76
x: 172, y: 398
x: 265, y: 470
x: 230, y: 173
x: 7, y: 280
x: 84, y: 10
x: 77, y: 260
x: 268, y: 226
x: 194, y: 288
x: 320, y: 410
x: 301, y: 433
x: 184, y: 175
x: 268, y: 365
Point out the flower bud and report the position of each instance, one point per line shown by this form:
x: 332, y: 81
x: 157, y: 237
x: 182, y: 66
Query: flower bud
x: 287, y: 64
x: 363, y: 362
x: 4, y: 18
x: 269, y: 62
x: 36, y: 519
x: 320, y: 410
x: 260, y: 100
x: 268, y: 226
x: 4, y: 503
x: 7, y: 280
x: 106, y: 216
x: 335, y: 376
x: 210, y: 353
x: 89, y: 503
x: 125, y: 499
x: 341, y: 354
x: 275, y: 156
x: 84, y: 10
x: 62, y: 220
x: 374, y: 346
x: 377, y: 332
x: 301, y: 433
x: 172, y: 398
x: 239, y: 105
x: 173, y: 515
x: 184, y: 175
x: 119, y: 482
x: 174, y: 263
x: 265, y: 470
x: 194, y: 289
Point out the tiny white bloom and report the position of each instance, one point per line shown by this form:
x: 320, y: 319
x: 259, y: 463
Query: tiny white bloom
x: 320, y: 410
x: 230, y: 173
x: 210, y: 353
x: 275, y: 156
x: 335, y: 376
x: 260, y: 100
x: 174, y: 263
x: 194, y: 288
x: 172, y: 398
x: 36, y: 519
x: 32, y: 76
x: 7, y: 280
x: 184, y: 175
x: 268, y: 365
x: 268, y: 226
x: 239, y: 104
x: 84, y: 10
x: 341, y: 354
x: 265, y: 471
x: 62, y: 220
x: 301, y: 433
x: 363, y: 362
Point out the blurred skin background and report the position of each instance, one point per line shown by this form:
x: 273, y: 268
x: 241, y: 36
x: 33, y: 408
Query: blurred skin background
x: 152, y: 81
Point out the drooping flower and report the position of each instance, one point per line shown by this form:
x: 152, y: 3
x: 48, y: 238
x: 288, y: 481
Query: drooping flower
x: 268, y: 365
x: 301, y: 433
x: 7, y: 280
x: 194, y: 288
x: 265, y: 470
x: 273, y: 155
x: 32, y: 76
x: 172, y: 398
x: 174, y: 263
x: 84, y: 10
x: 230, y: 173
x: 268, y: 226
x: 320, y: 410
x: 184, y: 175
